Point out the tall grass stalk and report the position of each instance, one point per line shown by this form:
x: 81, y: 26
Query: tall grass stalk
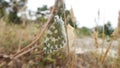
x: 65, y: 22
x: 95, y: 35
x: 119, y: 34
x: 107, y: 50
x: 103, y: 40
x: 74, y: 60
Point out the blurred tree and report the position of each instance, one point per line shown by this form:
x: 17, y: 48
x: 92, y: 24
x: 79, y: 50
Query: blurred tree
x: 41, y: 13
x: 12, y: 17
x: 3, y: 6
x: 10, y: 9
x: 43, y: 8
x: 108, y: 29
x: 15, y: 6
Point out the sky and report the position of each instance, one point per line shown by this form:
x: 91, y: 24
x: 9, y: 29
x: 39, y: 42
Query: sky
x: 86, y: 11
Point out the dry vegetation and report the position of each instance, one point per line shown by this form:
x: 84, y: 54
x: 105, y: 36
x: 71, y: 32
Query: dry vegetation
x: 20, y: 47
x: 13, y: 39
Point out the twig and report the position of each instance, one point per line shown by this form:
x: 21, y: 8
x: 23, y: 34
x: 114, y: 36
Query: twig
x: 105, y: 55
x: 103, y: 40
x: 74, y: 61
x: 66, y: 27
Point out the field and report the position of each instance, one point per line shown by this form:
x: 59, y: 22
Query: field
x: 83, y: 52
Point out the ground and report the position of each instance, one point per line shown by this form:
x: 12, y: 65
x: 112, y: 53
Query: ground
x: 83, y: 53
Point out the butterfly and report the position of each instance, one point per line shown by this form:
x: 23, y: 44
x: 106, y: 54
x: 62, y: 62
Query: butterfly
x: 55, y: 36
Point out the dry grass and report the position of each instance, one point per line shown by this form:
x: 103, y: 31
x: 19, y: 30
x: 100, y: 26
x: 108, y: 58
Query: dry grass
x: 15, y: 45
x: 22, y: 42
x: 17, y: 35
x: 21, y: 36
x: 95, y: 35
